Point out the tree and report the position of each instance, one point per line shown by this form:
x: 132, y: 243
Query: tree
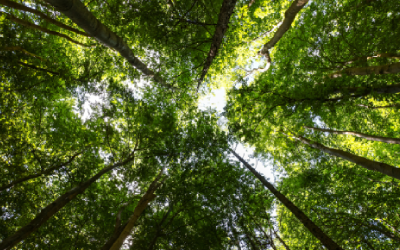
x: 314, y: 229
x: 97, y: 98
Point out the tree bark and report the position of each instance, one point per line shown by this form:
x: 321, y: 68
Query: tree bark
x: 42, y: 173
x: 37, y: 27
x: 18, y: 6
x: 393, y: 68
x: 388, y: 89
x: 222, y: 25
x: 281, y: 240
x: 361, y: 135
x: 159, y: 229
x: 47, y: 212
x: 37, y: 68
x: 19, y: 48
x: 252, y: 243
x: 379, y: 107
x: 361, y: 161
x: 277, y: 236
x: 79, y: 14
x: 290, y: 15
x: 119, y: 236
x: 309, y: 224
x: 365, y: 58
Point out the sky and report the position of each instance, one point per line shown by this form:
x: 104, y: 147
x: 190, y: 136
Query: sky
x: 217, y: 99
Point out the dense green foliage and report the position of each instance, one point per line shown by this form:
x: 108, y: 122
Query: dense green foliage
x: 69, y: 110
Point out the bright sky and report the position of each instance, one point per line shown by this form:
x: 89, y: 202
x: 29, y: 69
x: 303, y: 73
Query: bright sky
x: 217, y: 100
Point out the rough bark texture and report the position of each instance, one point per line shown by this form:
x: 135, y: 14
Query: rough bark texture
x: 79, y: 14
x: 47, y: 212
x: 314, y: 229
x: 393, y: 68
x: 222, y: 25
x: 42, y: 173
x: 117, y: 239
x: 361, y: 161
x: 37, y: 27
x: 18, y: 6
x: 361, y: 135
x: 290, y: 15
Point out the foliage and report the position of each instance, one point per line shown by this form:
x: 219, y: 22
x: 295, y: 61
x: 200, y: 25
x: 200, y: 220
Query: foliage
x: 68, y: 111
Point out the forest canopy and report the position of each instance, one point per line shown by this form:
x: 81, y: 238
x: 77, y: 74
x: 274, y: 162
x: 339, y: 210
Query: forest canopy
x: 103, y: 145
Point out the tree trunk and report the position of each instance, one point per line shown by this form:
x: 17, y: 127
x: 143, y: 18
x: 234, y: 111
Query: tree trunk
x: 18, y: 48
x: 272, y: 239
x: 119, y: 236
x: 37, y: 68
x: 269, y: 237
x: 222, y: 25
x: 252, y: 243
x: 18, y: 6
x: 159, y: 229
x: 54, y: 207
x: 365, y: 58
x: 277, y: 236
x: 361, y: 135
x: 290, y: 15
x: 389, y: 89
x: 314, y: 229
x: 379, y: 107
x: 280, y: 240
x: 385, y: 69
x: 79, y: 14
x: 361, y: 161
x: 37, y: 27
x: 42, y: 173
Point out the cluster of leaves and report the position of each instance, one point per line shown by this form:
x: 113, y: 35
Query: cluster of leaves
x: 54, y: 137
x: 353, y: 205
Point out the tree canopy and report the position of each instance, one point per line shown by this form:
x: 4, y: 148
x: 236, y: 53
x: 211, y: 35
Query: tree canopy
x: 103, y: 146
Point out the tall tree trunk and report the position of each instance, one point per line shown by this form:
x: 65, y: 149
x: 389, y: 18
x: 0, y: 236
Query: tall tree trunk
x: 252, y: 243
x: 222, y: 25
x: 79, y: 14
x: 117, y: 239
x: 314, y: 229
x: 389, y: 89
x: 373, y: 227
x: 281, y: 240
x: 272, y: 239
x: 37, y: 27
x: 276, y: 235
x: 361, y: 135
x: 379, y: 107
x: 385, y: 69
x: 159, y: 229
x: 290, y: 15
x: 19, y: 48
x: 37, y: 68
x: 41, y: 173
x: 361, y: 161
x: 269, y: 237
x: 365, y: 58
x: 54, y: 207
x: 18, y: 6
